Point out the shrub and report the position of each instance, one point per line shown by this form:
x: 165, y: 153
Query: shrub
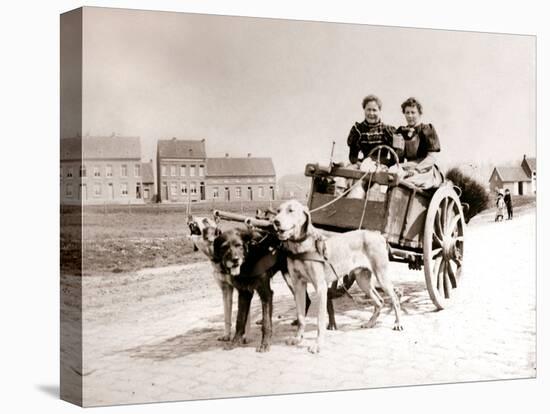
x: 473, y: 193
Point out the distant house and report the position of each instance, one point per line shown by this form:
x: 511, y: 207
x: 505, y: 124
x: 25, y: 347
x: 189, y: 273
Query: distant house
x: 148, y: 180
x: 97, y: 170
x: 181, y: 169
x: 240, y: 179
x: 520, y: 180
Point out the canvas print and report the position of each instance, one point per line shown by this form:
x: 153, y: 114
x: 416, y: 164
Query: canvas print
x: 264, y: 206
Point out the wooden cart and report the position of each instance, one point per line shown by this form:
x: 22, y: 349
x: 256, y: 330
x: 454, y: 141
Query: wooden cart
x: 423, y: 228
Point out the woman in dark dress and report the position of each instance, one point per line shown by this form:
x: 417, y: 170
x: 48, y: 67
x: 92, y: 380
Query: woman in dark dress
x: 366, y: 135
x: 421, y: 144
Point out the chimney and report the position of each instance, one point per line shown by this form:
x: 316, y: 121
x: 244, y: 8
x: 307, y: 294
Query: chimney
x: 226, y: 155
x: 249, y: 155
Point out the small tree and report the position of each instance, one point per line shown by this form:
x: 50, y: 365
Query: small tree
x: 473, y: 193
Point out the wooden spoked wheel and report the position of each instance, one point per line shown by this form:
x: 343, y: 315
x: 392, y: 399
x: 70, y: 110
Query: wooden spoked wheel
x: 443, y: 245
x: 383, y: 154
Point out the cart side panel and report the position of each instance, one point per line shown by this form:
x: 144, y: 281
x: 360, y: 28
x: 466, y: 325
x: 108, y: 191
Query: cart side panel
x: 406, y: 217
x: 346, y: 213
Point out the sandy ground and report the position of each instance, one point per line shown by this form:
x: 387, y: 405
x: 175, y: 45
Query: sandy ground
x: 151, y: 335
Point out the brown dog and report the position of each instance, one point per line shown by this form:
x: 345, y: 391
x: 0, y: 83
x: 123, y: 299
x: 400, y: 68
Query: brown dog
x: 360, y: 253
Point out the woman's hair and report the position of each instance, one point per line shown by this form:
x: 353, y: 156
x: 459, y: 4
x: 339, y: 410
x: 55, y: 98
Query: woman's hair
x: 372, y: 98
x: 412, y: 102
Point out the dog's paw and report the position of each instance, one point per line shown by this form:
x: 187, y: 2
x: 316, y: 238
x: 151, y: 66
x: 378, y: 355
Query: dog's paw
x: 228, y: 346
x: 314, y: 349
x: 239, y: 340
x: 332, y: 327
x: 294, y: 322
x: 224, y: 338
x: 397, y: 327
x: 368, y: 325
x: 263, y: 348
x: 293, y: 340
x: 258, y: 322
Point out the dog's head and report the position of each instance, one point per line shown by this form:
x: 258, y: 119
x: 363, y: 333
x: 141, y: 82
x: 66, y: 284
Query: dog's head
x: 203, y: 226
x: 292, y: 221
x: 231, y: 248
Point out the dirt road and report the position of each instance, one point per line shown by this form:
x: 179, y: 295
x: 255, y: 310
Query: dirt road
x: 151, y: 335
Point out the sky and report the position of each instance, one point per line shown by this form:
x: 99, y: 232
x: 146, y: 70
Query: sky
x: 288, y: 89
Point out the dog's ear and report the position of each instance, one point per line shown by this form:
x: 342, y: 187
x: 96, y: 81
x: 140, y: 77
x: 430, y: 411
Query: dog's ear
x: 217, y: 249
x: 308, y: 225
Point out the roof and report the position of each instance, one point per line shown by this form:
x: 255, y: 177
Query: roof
x: 181, y: 148
x: 512, y: 174
x: 147, y: 175
x: 531, y: 163
x: 113, y: 147
x: 239, y: 167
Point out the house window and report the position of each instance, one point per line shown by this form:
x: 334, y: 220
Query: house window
x: 124, y: 171
x: 124, y: 189
x: 238, y: 192
x: 137, y: 170
x: 272, y: 192
x: 97, y: 189
x: 184, y: 188
x: 97, y: 173
x: 191, y: 170
x: 215, y: 192
x: 260, y: 191
x: 201, y: 170
x: 193, y: 188
x: 182, y: 170
x: 83, y: 171
x: 69, y: 190
x: 108, y: 171
x: 173, y: 189
x: 249, y: 189
x: 173, y: 170
x: 70, y: 172
x: 163, y: 171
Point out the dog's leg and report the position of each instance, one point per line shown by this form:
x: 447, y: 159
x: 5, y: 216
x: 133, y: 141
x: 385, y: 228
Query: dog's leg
x: 266, y: 295
x: 227, y: 294
x: 380, y: 271
x: 321, y: 288
x: 245, y: 297
x: 300, y: 298
x: 330, y: 309
x: 364, y: 280
x: 288, y: 282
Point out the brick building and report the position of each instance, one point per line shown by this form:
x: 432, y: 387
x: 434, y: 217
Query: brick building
x: 181, y: 170
x: 240, y: 179
x: 97, y: 170
x: 148, y: 180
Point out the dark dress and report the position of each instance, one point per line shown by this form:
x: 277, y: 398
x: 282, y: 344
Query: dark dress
x: 364, y: 137
x: 508, y: 202
x: 419, y: 140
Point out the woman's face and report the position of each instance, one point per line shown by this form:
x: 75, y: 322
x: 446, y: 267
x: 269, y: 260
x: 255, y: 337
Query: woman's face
x: 411, y: 115
x: 372, y: 112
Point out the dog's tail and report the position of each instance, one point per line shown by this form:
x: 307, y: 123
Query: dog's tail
x: 473, y: 192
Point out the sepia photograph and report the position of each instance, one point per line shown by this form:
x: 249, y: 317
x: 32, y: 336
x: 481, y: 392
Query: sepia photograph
x: 257, y: 206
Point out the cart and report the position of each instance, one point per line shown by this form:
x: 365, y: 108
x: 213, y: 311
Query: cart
x: 424, y: 228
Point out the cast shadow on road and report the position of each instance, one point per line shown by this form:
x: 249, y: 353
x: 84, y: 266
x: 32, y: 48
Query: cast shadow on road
x: 350, y: 313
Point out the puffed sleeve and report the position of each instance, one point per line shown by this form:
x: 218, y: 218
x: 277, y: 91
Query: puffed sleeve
x: 353, y: 141
x: 431, y: 139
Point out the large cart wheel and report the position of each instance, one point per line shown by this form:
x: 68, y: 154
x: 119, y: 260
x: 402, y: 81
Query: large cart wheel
x: 443, y: 245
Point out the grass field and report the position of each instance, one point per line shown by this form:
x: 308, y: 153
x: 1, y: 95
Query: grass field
x: 116, y: 239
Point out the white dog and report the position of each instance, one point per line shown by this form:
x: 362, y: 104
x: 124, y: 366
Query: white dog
x: 362, y: 253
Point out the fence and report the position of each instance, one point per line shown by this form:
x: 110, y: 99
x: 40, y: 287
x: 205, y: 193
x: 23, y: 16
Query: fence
x: 205, y: 207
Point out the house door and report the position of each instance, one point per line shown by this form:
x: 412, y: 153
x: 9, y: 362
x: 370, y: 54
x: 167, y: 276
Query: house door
x: 110, y: 191
x: 203, y: 193
x: 520, y: 188
x: 227, y: 196
x: 138, y: 190
x: 249, y: 189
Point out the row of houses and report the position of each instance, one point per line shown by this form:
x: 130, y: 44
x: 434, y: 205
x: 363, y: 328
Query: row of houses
x: 520, y: 179
x: 98, y: 170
